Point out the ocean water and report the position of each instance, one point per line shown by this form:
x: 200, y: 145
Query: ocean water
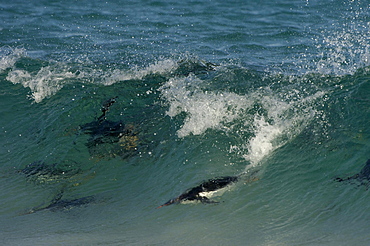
x: 277, y: 90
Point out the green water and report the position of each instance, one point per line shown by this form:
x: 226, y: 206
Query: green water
x: 206, y: 90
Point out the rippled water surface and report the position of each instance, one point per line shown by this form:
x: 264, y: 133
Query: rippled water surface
x: 111, y: 108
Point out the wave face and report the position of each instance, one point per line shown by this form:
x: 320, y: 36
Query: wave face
x: 110, y: 109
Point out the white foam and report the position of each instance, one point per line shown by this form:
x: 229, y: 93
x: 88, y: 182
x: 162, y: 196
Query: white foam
x: 204, y: 110
x: 46, y: 82
x: 284, y: 121
x: 50, y: 79
x: 282, y: 116
x: 10, y: 58
x: 159, y: 67
x: 262, y: 143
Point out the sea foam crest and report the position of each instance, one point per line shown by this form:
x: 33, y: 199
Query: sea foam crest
x: 204, y: 109
x: 50, y: 79
x: 159, y: 67
x: 9, y: 57
x: 282, y: 118
x: 46, y: 82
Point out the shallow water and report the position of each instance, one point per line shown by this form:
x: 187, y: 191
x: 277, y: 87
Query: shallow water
x: 207, y: 89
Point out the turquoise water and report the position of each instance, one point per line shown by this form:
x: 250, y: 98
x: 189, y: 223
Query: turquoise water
x: 207, y: 89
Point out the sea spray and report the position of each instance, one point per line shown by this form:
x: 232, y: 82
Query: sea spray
x: 204, y: 109
x: 162, y: 67
x: 270, y: 119
x: 46, y: 82
x: 301, y: 126
x: 9, y: 56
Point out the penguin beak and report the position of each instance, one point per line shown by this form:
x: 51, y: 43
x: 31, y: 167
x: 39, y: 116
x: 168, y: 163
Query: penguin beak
x: 172, y: 201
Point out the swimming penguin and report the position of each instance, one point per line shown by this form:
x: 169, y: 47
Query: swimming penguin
x: 363, y: 176
x: 110, y: 138
x: 204, y: 190
x: 65, y: 204
x: 106, y: 107
x: 40, y: 172
x: 103, y: 130
x: 59, y: 204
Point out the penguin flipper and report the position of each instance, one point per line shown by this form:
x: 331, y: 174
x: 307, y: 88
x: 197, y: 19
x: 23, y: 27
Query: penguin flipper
x: 206, y: 200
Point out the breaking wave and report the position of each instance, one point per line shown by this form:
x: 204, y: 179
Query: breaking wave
x: 265, y: 111
x: 264, y: 118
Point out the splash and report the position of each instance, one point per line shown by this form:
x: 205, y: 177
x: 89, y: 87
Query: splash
x: 269, y: 119
x: 283, y: 121
x: 344, y: 52
x: 344, y: 47
x: 204, y: 109
x: 159, y: 67
x: 262, y: 143
x: 46, y: 82
x: 9, y: 57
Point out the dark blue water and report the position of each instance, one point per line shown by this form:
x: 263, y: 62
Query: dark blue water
x: 274, y: 90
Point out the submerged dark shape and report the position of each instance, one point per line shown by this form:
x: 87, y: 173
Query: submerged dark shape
x: 363, y: 176
x: 103, y: 130
x: 65, y: 204
x: 105, y: 107
x: 105, y: 133
x: 199, y: 193
x: 194, y: 66
x: 41, y: 172
x: 58, y: 203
